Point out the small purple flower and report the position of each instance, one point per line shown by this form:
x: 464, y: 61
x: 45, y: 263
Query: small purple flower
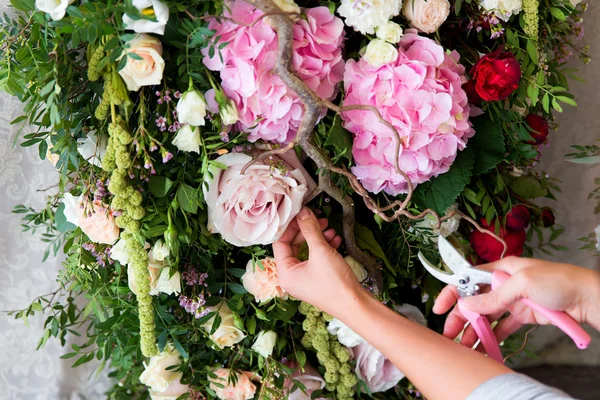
x: 158, y: 94
x: 167, y: 92
x: 175, y: 114
x: 167, y: 156
x: 177, y: 94
x: 172, y: 128
x: 224, y: 137
x: 479, y: 28
x: 159, y: 101
x: 167, y: 99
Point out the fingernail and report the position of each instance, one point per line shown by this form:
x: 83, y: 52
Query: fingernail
x: 304, y: 214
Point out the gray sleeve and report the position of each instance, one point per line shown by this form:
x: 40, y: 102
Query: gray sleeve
x: 516, y: 387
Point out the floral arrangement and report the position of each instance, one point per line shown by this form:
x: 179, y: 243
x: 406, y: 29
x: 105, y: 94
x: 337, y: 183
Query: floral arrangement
x: 187, y: 136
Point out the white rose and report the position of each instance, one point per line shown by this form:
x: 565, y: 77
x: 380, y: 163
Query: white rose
x: 345, y: 335
x: 191, y: 108
x: 358, y: 269
x: 155, y: 375
x: 56, y: 8
x: 150, y: 8
x: 365, y: 15
x: 188, y: 139
x: 227, y: 334
x: 165, y: 284
x: 265, y: 342
x: 149, y: 70
x: 229, y: 113
x: 160, y: 250
x: 412, y: 313
x: 380, y: 52
x: 92, y: 148
x: 120, y: 252
x: 427, y: 15
x: 390, y: 32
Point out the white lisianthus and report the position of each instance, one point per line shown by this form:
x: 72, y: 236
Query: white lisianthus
x: 150, y: 8
x: 147, y: 69
x: 191, y: 108
x: 92, y: 148
x: 503, y: 9
x: 365, y: 15
x: 345, y: 335
x: 56, y: 8
x: 120, y: 252
x: 358, y: 269
x: 229, y: 113
x: 265, y: 342
x: 390, y: 32
x: 427, y: 15
x: 380, y: 52
x: 188, y: 139
x: 160, y: 250
x: 156, y: 375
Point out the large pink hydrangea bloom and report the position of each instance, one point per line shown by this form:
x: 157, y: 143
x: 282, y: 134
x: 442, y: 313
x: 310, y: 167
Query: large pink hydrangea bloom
x: 421, y: 94
x: 267, y: 109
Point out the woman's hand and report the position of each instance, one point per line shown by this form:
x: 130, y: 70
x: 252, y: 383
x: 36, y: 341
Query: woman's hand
x: 555, y: 286
x: 325, y: 280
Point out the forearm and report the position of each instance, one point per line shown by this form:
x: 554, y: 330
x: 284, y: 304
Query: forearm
x: 439, y: 368
x: 593, y: 299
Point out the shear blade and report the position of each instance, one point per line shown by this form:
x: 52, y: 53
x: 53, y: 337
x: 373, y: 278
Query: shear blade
x: 446, y: 277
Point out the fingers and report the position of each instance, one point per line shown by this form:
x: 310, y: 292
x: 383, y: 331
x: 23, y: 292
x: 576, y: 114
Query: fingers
x: 336, y: 242
x: 455, y: 323
x: 511, y: 264
x: 507, y: 327
x: 470, y: 337
x: 445, y: 300
x: 501, y: 298
x: 299, y: 239
x: 310, y: 228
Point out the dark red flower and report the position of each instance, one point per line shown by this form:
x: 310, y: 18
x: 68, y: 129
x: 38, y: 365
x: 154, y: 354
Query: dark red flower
x: 496, y: 75
x: 490, y: 249
x: 546, y: 218
x: 469, y: 88
x: 518, y: 218
x: 539, y: 127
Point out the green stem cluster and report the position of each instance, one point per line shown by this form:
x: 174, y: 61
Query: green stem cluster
x: 128, y: 200
x: 330, y: 353
x: 531, y: 17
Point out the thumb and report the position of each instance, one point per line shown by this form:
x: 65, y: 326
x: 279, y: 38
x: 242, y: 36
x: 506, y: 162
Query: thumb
x: 310, y: 228
x: 498, y: 300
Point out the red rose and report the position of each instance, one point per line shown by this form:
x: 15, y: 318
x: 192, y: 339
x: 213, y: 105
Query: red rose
x: 539, y: 128
x: 546, y: 218
x: 490, y: 249
x: 469, y: 88
x: 518, y: 218
x: 496, y: 75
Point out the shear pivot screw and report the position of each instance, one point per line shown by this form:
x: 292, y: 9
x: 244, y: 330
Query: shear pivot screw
x: 463, y: 281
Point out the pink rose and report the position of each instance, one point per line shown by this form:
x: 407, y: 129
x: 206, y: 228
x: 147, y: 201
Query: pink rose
x: 310, y: 378
x: 374, y: 369
x: 263, y: 284
x: 243, y: 389
x: 256, y: 207
x: 94, y: 219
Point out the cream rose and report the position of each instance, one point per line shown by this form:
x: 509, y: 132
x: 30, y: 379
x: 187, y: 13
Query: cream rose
x: 151, y: 8
x: 175, y: 389
x: 94, y: 219
x: 309, y: 377
x: 56, y: 8
x: 380, y: 52
x: 263, y: 284
x: 92, y: 148
x: 227, y: 334
x: 265, y: 342
x: 188, y: 139
x: 191, y: 108
x: 155, y: 375
x: 160, y: 250
x: 243, y: 389
x: 149, y: 69
x: 256, y: 207
x: 390, y: 32
x: 427, y: 15
x: 374, y: 369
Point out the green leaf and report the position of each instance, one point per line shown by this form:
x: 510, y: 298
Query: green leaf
x: 43, y: 149
x: 487, y: 144
x: 546, y: 102
x: 287, y: 310
x: 441, y: 192
x: 68, y: 355
x: 528, y: 187
x: 180, y: 348
x: 23, y: 5
x: 558, y: 14
x: 585, y: 160
x: 187, y: 197
x: 62, y: 225
x: 567, y: 100
x: 366, y: 241
x: 340, y: 139
x: 301, y: 358
x: 160, y: 185
x: 251, y: 325
x: 237, y: 288
x: 532, y: 51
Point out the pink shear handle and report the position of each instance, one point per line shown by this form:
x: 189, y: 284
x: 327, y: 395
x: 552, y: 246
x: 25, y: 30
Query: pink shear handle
x: 560, y: 319
x: 484, y: 331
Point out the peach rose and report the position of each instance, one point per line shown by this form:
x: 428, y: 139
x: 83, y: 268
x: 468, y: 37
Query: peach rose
x: 256, y: 207
x: 243, y: 389
x: 228, y: 333
x: 426, y: 15
x: 149, y: 69
x: 94, y: 219
x: 263, y: 284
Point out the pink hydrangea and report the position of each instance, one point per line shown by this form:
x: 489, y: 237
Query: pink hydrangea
x: 267, y: 109
x: 421, y: 95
